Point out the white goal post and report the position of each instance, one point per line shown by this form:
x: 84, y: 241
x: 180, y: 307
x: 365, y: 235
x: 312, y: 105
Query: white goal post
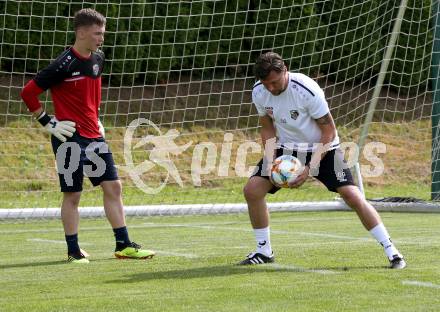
x: 182, y: 71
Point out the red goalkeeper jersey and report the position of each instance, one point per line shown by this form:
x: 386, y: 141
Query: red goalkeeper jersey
x: 75, y: 85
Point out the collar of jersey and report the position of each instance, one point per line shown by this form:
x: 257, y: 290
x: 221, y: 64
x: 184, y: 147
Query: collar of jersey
x: 79, y: 55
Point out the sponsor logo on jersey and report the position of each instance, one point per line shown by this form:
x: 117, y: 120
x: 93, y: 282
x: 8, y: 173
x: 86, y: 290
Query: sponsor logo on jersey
x: 76, y: 74
x: 294, y: 114
x: 95, y: 69
x: 283, y: 120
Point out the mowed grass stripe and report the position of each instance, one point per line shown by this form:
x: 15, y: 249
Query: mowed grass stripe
x: 34, y: 276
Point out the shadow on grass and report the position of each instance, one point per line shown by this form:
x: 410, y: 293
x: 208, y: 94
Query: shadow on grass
x: 202, y: 272
x: 354, y: 268
x: 31, y: 264
x: 58, y: 262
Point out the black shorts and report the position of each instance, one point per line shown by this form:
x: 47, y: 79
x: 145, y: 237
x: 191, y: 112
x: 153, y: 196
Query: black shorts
x: 329, y: 176
x: 80, y: 156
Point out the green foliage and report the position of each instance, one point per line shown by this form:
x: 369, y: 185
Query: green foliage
x: 150, y: 42
x: 349, y: 46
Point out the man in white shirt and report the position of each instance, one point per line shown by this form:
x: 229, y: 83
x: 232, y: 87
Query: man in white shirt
x: 295, y: 119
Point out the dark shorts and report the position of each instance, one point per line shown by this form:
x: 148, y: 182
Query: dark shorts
x: 333, y: 170
x: 80, y: 156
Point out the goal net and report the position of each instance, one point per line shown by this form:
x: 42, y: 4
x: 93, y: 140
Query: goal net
x: 176, y: 97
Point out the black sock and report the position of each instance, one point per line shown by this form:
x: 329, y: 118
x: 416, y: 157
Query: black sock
x: 72, y: 244
x: 121, y: 236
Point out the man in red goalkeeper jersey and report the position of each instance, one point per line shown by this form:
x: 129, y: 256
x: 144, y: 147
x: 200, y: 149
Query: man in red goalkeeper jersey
x: 77, y: 135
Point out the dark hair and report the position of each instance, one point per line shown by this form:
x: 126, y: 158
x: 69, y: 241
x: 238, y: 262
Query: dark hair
x: 267, y: 62
x: 88, y: 17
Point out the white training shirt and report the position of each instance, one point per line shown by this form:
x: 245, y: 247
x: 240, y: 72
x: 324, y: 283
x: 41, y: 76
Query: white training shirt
x: 294, y: 111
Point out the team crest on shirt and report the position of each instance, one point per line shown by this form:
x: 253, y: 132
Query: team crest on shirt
x: 269, y: 110
x: 95, y: 69
x: 294, y: 114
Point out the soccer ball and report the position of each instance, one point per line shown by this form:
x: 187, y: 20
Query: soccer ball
x: 285, y: 169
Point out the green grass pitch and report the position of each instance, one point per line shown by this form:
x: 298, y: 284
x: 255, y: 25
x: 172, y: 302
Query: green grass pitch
x: 325, y: 261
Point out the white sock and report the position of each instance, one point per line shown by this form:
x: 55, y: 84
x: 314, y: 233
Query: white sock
x: 380, y: 233
x: 262, y: 237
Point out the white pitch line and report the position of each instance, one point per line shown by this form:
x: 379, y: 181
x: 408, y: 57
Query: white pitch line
x: 421, y: 284
x: 40, y: 240
x: 300, y: 269
x: 211, y: 227
x: 160, y: 252
x: 31, y: 231
x: 333, y: 236
x: 199, y: 223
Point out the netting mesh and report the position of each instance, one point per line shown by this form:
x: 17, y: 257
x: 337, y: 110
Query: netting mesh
x: 187, y: 66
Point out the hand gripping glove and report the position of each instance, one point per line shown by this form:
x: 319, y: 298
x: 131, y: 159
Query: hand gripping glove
x: 60, y: 129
